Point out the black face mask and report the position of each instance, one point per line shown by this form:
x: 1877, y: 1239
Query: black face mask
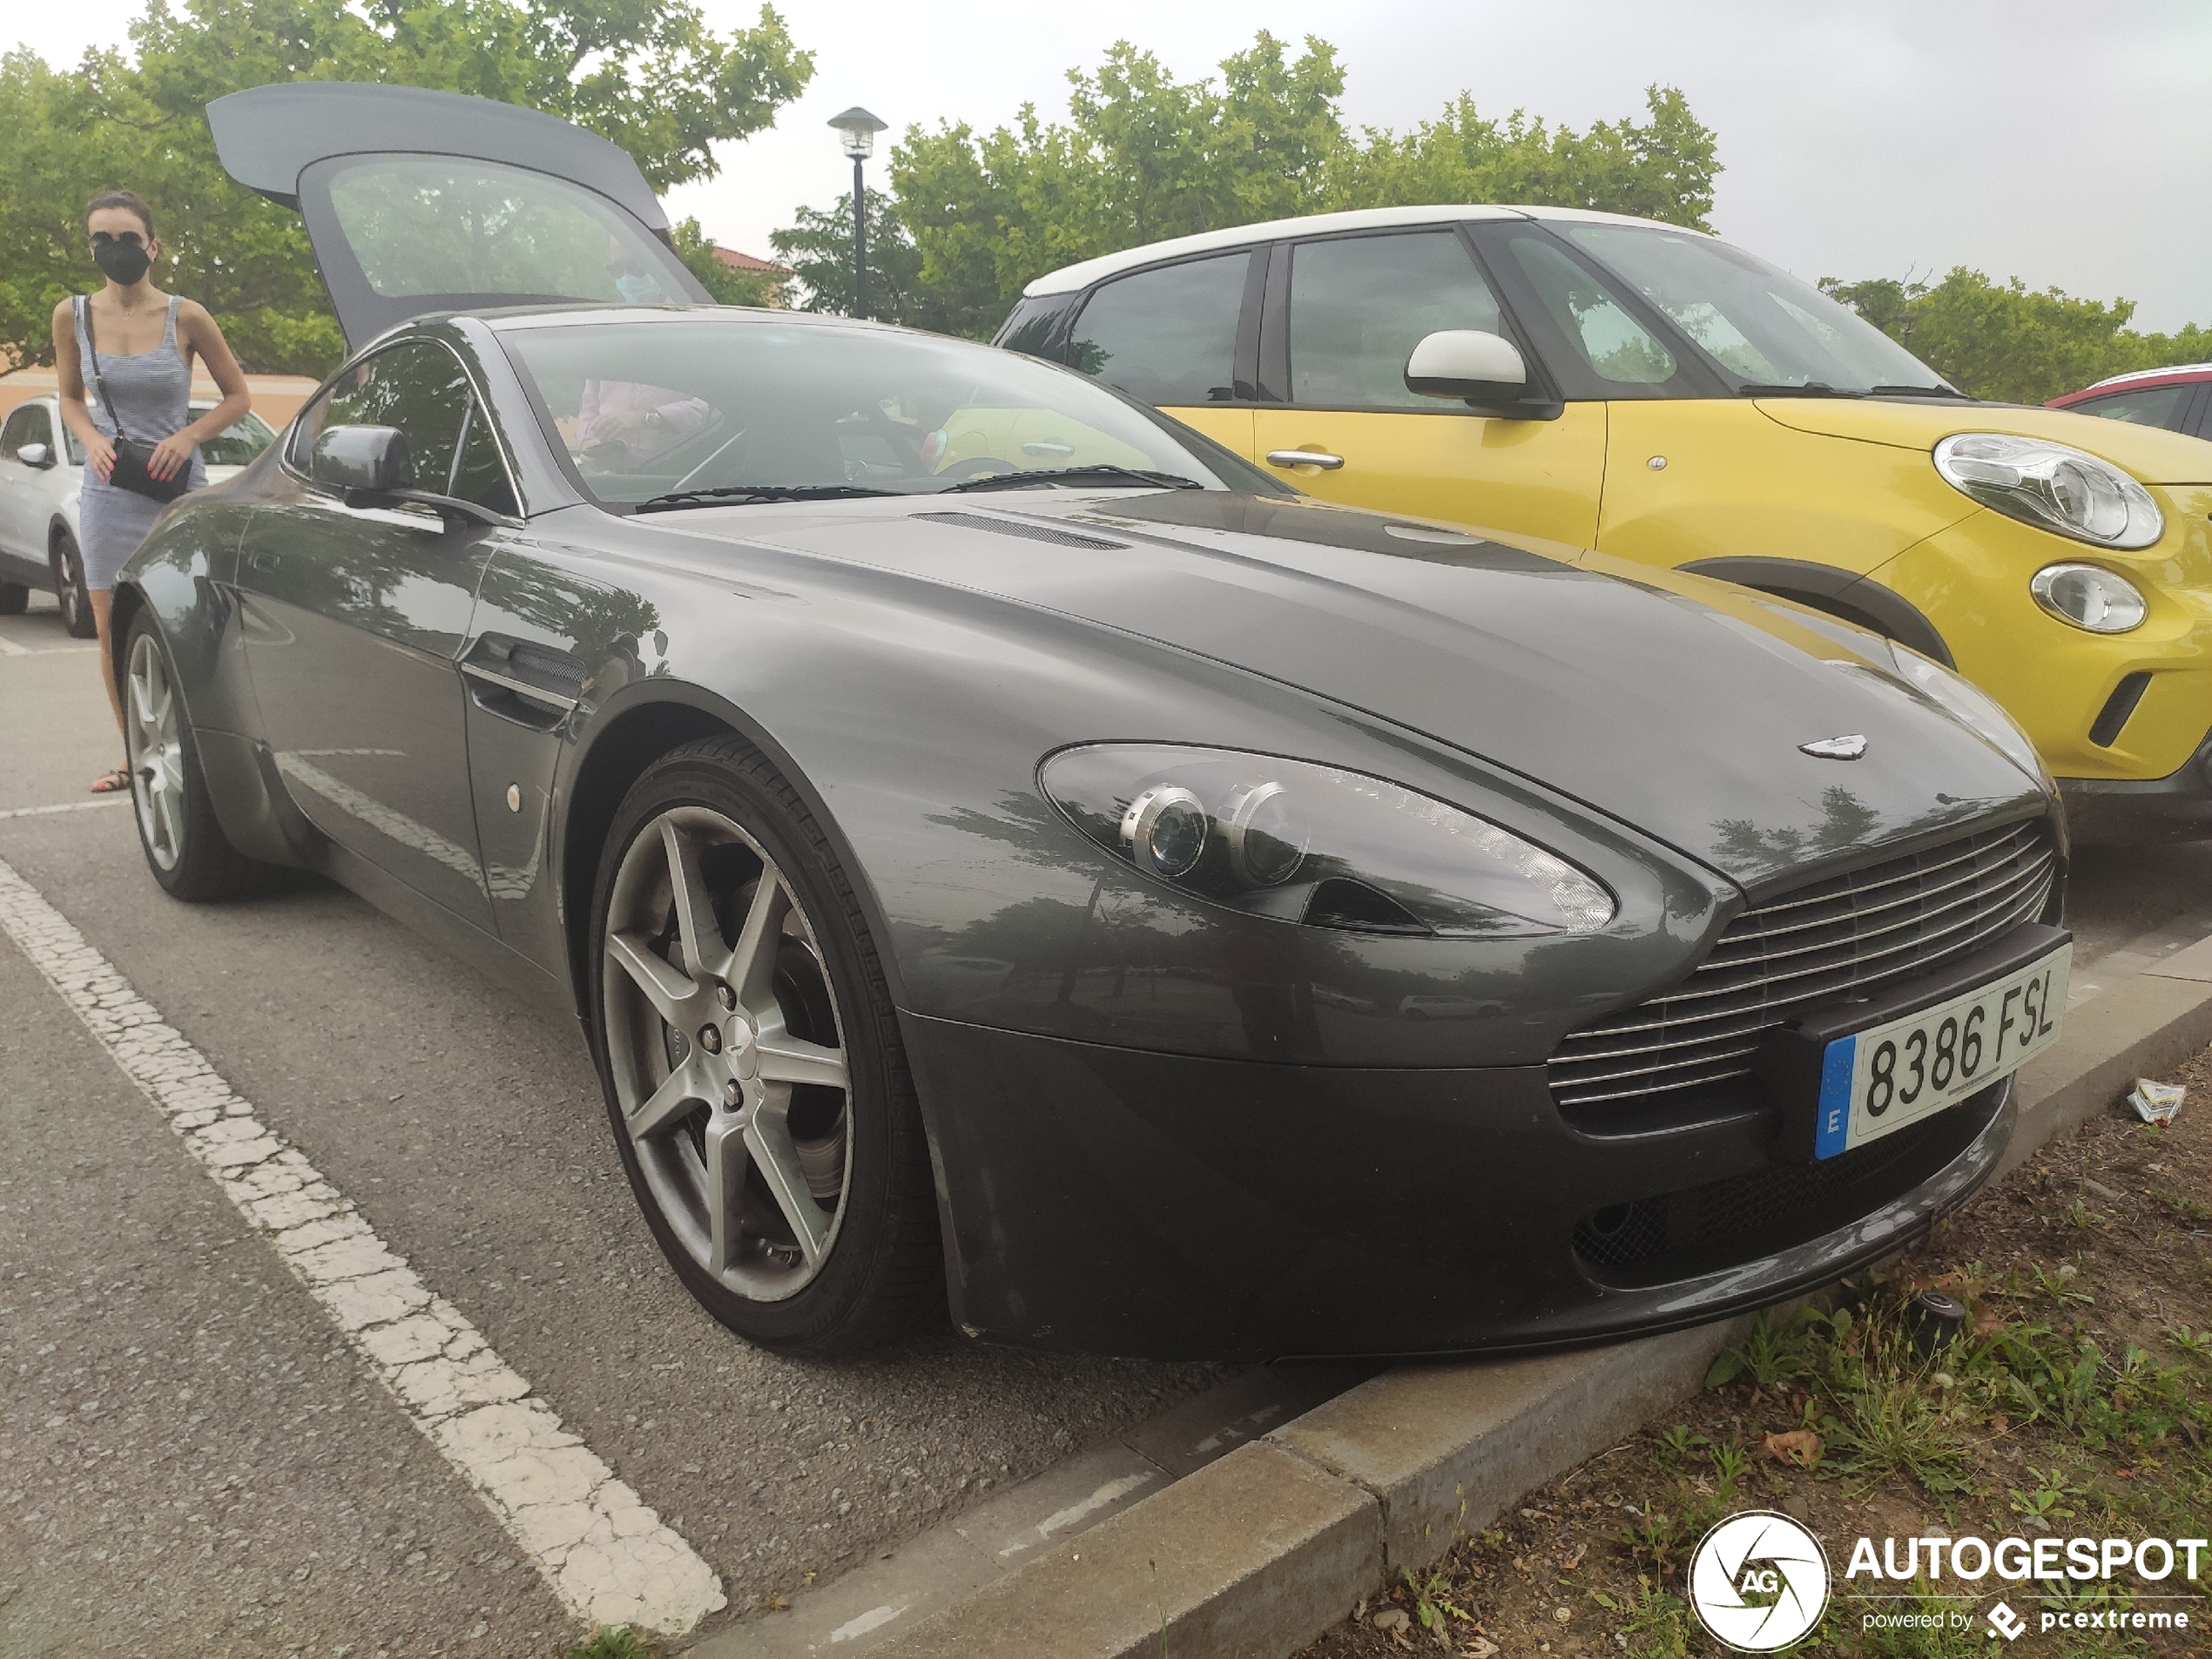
x: 126, y: 262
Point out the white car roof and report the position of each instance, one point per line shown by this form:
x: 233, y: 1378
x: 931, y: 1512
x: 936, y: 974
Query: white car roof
x: 1070, y: 278
x: 2148, y: 375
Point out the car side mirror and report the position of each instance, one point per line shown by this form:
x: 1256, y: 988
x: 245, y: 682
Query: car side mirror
x: 369, y: 465
x: 1483, y: 369
x: 35, y: 455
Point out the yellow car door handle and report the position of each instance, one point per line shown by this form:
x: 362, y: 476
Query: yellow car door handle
x: 1320, y: 458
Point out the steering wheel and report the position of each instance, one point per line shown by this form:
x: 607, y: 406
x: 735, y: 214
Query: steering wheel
x: 976, y: 467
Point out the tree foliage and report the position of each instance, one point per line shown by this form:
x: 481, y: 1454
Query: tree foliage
x: 729, y: 286
x: 1143, y: 157
x: 819, y: 249
x: 648, y: 74
x: 2001, y: 341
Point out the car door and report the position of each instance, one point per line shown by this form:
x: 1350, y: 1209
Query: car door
x: 418, y: 201
x: 1169, y: 337
x: 1335, y: 343
x: 353, y: 621
x: 28, y: 486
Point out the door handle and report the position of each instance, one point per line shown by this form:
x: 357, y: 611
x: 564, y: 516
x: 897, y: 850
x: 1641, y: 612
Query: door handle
x: 1320, y: 458
x: 263, y: 559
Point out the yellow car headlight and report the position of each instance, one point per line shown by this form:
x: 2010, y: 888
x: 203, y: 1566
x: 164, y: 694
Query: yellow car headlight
x: 2051, y: 486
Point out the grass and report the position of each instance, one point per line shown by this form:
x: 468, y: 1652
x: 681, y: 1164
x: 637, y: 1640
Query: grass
x: 616, y: 1641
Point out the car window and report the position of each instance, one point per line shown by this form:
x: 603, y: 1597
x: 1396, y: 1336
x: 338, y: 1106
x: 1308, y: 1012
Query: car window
x: 1760, y: 324
x: 236, y: 445
x: 416, y: 385
x: 1359, y: 305
x: 651, y: 406
x: 2147, y: 406
x: 1167, y: 336
x: 26, y: 423
x: 440, y: 225
x: 479, y: 472
x: 1617, y: 349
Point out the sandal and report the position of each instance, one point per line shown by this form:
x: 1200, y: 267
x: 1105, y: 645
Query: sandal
x: 113, y: 782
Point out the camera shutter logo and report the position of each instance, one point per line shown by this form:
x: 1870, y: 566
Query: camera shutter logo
x: 1759, y: 1582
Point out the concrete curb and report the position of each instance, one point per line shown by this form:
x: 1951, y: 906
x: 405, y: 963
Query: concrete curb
x: 1256, y: 1554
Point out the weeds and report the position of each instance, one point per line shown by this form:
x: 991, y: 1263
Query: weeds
x: 614, y: 1641
x: 1656, y: 1623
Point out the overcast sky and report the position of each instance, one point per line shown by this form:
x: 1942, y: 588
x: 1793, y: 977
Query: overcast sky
x: 2064, y: 142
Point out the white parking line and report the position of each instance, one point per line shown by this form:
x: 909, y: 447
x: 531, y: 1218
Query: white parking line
x: 605, y: 1554
x: 8, y: 648
x: 120, y: 798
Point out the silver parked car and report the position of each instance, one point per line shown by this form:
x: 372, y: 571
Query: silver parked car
x: 40, y: 461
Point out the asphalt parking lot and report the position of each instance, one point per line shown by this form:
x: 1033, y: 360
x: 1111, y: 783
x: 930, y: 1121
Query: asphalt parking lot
x: 192, y: 1458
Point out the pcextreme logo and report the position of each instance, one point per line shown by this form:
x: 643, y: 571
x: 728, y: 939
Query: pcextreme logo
x: 1759, y: 1582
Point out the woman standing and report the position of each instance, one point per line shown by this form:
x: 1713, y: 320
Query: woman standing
x: 134, y: 345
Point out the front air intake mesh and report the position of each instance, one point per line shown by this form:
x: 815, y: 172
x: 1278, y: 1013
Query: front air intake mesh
x: 1845, y: 932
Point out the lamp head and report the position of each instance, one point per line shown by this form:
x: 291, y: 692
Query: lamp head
x: 858, y: 130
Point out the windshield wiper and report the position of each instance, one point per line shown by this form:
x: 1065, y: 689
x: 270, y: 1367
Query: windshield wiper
x: 1921, y: 391
x: 1102, y: 474
x: 731, y: 495
x: 1811, y: 389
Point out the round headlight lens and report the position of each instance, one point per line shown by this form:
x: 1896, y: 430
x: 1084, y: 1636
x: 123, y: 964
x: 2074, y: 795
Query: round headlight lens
x: 1266, y: 838
x: 2052, y: 486
x: 1164, y: 830
x: 2089, y: 597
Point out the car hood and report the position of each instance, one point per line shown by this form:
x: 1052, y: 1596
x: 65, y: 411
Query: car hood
x: 2154, y: 455
x: 1675, y: 705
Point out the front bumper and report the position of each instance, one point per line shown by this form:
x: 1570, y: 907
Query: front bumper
x: 2105, y: 811
x: 1127, y: 1202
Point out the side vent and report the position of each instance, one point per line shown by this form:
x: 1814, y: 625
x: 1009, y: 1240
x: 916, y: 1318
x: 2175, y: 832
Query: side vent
x: 1021, y: 528
x: 2118, y: 708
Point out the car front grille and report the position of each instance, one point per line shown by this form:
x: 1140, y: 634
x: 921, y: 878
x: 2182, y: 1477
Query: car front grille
x: 1807, y: 946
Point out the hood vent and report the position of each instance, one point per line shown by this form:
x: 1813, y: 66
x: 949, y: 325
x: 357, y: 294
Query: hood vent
x: 1026, y: 530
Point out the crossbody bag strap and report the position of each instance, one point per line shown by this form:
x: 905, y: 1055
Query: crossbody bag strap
x: 85, y: 320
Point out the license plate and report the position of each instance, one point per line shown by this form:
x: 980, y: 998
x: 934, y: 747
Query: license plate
x: 1876, y: 1081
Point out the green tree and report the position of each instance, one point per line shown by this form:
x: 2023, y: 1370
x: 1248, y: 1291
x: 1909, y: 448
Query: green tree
x: 729, y: 286
x: 1143, y: 156
x: 818, y: 248
x: 2001, y: 341
x: 648, y: 74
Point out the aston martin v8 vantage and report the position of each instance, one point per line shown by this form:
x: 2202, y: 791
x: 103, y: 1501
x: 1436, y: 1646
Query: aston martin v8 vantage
x: 1005, y: 851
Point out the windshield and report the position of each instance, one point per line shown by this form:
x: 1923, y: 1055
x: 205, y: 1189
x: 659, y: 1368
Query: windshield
x: 688, y: 405
x: 1762, y: 326
x: 234, y: 446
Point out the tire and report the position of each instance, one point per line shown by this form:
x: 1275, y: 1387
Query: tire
x: 69, y: 588
x: 782, y: 1067
x: 183, y: 843
x: 14, y: 599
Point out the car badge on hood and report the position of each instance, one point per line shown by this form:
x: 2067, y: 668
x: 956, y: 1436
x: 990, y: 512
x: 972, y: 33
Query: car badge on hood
x: 1847, y: 748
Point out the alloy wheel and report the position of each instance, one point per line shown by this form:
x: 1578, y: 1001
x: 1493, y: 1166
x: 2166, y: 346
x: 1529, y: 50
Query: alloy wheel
x: 156, y: 753
x: 724, y: 1038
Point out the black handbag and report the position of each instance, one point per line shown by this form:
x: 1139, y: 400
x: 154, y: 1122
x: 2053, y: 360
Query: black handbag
x: 131, y: 456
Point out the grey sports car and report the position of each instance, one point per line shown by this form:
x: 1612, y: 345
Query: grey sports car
x: 1001, y: 848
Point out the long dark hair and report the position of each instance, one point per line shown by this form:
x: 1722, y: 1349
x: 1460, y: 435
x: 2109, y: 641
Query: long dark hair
x: 125, y: 199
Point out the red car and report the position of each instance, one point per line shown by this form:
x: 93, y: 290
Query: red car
x: 2179, y: 399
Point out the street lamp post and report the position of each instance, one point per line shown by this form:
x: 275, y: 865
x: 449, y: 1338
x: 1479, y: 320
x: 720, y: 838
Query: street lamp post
x: 859, y: 128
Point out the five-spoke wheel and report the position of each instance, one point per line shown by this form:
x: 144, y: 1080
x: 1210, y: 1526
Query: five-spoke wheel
x: 150, y: 736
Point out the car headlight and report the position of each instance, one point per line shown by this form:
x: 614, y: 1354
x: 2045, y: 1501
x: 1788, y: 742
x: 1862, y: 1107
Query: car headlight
x: 2051, y: 486
x: 1303, y: 842
x: 2089, y: 597
x: 1970, y: 706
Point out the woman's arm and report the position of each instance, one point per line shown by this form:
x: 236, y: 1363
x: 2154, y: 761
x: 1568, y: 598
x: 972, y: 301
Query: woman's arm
x: 197, y: 333
x: 69, y: 370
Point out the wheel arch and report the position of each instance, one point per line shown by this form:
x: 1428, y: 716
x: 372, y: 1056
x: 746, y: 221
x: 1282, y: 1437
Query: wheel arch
x: 1823, y: 587
x: 625, y: 738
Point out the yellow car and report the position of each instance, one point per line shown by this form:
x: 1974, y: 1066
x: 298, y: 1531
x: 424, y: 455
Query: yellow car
x: 1655, y: 394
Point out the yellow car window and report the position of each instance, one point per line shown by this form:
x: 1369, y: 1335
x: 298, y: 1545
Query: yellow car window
x: 1359, y: 305
x: 1615, y: 346
x: 1169, y: 336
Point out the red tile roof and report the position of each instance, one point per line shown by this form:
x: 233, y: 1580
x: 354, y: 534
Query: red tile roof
x: 738, y: 261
